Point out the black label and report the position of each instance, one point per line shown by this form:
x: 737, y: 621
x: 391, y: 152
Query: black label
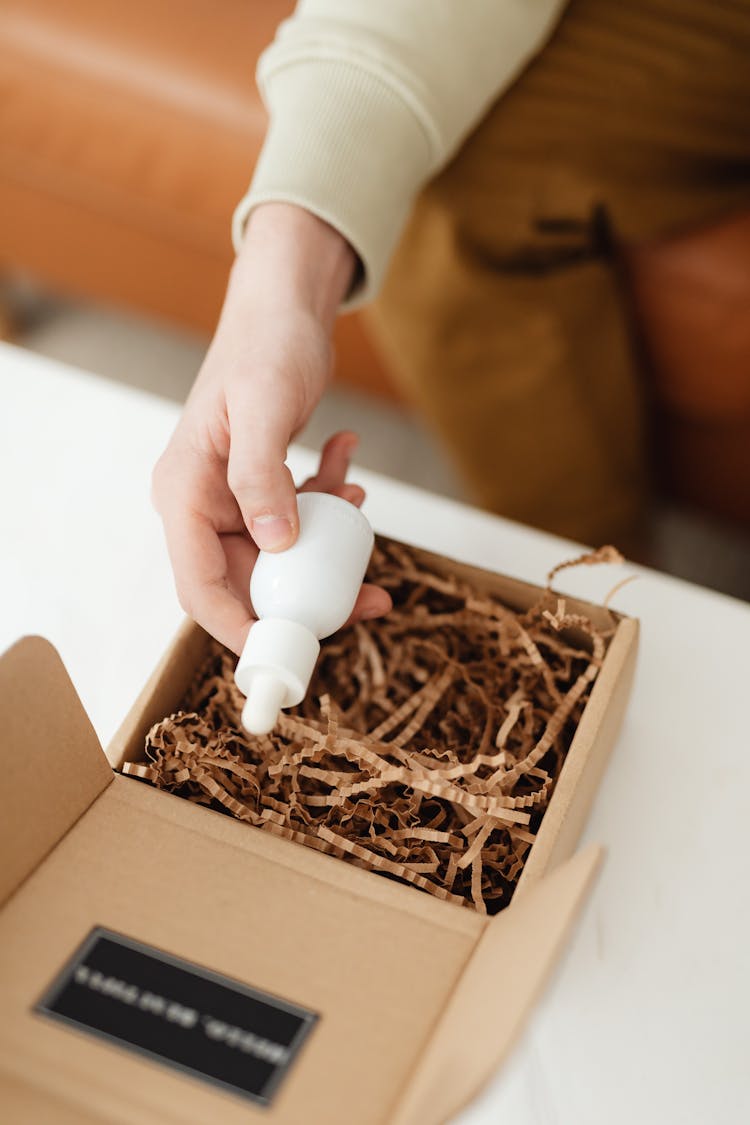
x: 178, y: 1013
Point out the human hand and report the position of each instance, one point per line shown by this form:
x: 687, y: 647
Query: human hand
x: 221, y: 486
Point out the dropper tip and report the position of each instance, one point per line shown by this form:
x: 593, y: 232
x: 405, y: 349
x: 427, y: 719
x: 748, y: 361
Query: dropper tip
x: 261, y: 711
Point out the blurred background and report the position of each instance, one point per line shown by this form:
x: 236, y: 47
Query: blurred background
x: 129, y: 133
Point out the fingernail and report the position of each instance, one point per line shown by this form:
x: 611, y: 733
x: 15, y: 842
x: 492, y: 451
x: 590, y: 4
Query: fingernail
x: 272, y: 533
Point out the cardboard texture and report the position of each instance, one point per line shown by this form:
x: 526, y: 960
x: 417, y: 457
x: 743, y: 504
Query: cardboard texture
x: 61, y: 785
x: 419, y: 1000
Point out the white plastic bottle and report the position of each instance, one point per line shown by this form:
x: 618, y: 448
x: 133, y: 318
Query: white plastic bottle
x: 300, y: 596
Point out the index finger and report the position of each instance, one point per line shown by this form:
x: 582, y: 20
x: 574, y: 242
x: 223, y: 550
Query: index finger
x: 200, y: 571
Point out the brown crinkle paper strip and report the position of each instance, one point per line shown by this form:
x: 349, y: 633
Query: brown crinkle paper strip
x: 428, y: 746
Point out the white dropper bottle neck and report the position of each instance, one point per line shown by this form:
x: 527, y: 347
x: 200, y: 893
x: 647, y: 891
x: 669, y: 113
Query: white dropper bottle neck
x: 274, y: 671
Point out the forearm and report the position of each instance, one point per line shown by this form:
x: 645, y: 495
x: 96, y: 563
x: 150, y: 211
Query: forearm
x: 290, y: 257
x: 368, y: 100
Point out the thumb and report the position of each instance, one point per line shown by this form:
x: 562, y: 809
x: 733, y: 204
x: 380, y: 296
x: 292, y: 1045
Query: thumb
x: 260, y: 481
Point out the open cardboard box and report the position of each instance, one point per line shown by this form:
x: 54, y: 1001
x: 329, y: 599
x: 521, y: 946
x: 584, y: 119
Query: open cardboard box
x: 417, y: 1000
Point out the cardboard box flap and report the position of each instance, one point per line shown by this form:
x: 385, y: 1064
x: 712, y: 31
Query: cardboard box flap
x: 52, y: 763
x: 487, y: 1007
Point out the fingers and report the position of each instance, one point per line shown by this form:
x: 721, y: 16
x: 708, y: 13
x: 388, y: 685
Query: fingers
x: 241, y: 556
x: 334, y: 463
x: 200, y: 569
x: 352, y: 493
x: 372, y: 601
x: 256, y: 473
x: 263, y: 486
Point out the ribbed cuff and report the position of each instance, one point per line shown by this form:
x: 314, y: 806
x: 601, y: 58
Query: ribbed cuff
x: 346, y: 146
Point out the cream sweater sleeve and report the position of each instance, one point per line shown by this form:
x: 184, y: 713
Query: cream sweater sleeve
x: 368, y: 99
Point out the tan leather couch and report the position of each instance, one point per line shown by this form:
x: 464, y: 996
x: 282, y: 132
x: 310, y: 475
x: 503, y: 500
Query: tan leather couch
x: 129, y: 131
x: 691, y: 297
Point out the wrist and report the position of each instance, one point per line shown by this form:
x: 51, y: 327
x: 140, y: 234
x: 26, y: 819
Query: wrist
x: 290, y: 257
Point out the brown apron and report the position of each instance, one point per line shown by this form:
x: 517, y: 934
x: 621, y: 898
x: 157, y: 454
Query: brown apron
x: 505, y: 315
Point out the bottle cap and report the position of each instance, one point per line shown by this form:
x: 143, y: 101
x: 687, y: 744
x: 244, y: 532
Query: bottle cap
x: 274, y: 670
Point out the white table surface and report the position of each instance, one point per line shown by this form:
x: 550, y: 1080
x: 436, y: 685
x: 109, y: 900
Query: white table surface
x: 646, y: 1017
